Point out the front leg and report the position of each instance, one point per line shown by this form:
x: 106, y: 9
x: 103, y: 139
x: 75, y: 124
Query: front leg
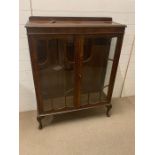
x: 39, y: 118
x: 108, y: 106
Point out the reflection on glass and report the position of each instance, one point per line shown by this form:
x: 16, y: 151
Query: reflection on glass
x: 96, y: 69
x: 112, y: 47
x: 55, y: 61
x: 108, y: 73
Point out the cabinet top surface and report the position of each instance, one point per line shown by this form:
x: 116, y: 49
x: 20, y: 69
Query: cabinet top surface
x: 52, y: 22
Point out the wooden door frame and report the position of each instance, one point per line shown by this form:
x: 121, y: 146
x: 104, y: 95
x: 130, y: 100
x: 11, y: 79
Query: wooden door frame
x: 79, y: 40
x: 79, y: 65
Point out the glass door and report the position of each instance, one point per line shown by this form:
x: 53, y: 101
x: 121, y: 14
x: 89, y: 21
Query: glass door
x: 97, y: 60
x: 55, y: 62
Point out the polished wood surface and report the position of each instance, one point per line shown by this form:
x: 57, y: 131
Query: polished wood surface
x: 71, y: 22
x: 74, y: 62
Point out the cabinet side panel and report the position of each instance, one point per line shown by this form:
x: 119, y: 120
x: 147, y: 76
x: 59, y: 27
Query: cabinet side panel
x: 115, y: 65
x: 35, y: 73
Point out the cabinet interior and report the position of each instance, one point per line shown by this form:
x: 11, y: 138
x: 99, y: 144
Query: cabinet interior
x: 56, y: 59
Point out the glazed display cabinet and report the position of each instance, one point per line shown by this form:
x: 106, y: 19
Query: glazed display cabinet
x: 74, y: 62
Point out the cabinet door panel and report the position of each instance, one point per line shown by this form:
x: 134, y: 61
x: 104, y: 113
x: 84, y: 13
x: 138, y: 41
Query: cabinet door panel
x: 55, y: 62
x: 98, y: 54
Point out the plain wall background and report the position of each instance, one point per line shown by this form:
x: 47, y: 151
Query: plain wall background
x: 121, y: 11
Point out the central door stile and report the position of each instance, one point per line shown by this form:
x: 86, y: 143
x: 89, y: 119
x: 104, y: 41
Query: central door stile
x: 79, y: 41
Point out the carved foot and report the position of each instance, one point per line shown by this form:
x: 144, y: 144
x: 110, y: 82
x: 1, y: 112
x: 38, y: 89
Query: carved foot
x: 39, y: 118
x: 108, y: 106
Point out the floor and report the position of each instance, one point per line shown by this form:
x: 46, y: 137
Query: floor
x: 87, y: 132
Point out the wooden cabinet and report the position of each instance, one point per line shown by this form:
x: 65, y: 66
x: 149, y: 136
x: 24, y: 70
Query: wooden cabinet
x: 74, y: 62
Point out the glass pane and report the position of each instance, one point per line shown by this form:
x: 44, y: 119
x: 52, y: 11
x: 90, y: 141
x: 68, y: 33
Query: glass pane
x: 96, y: 70
x: 112, y: 47
x: 55, y: 59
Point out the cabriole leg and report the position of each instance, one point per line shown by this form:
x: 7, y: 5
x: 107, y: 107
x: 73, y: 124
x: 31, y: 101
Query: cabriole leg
x: 108, y: 106
x: 39, y: 118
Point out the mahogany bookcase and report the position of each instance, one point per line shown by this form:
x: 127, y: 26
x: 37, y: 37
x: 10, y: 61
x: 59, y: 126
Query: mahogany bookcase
x: 74, y: 62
